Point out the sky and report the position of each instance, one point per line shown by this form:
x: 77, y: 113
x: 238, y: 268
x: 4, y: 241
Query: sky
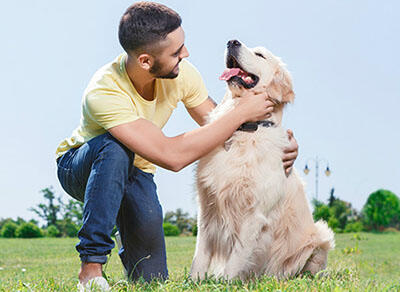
x: 343, y: 57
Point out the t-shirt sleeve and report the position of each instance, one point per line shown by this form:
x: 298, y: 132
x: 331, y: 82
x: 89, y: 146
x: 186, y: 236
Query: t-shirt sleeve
x: 195, y: 91
x: 108, y: 109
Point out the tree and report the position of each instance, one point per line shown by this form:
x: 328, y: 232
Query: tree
x: 72, y: 214
x: 337, y: 214
x: 332, y: 198
x: 73, y: 211
x: 381, y: 210
x: 48, y: 211
x: 180, y: 219
x: 321, y: 211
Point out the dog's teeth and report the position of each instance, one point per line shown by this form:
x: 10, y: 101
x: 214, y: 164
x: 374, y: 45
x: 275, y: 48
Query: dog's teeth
x: 248, y: 79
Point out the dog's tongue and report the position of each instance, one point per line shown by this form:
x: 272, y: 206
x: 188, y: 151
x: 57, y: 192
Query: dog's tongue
x: 229, y: 73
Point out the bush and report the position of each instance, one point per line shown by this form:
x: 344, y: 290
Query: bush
x: 333, y: 223
x: 28, y: 230
x: 8, y: 229
x: 68, y: 228
x: 354, y: 227
x: 71, y: 230
x: 321, y: 212
x: 52, y: 231
x: 194, y: 229
x: 170, y: 229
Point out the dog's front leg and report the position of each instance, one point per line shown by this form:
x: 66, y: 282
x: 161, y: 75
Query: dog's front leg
x: 242, y: 262
x: 201, y: 259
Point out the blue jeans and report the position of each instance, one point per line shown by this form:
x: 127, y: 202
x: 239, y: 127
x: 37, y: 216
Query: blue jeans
x: 101, y: 174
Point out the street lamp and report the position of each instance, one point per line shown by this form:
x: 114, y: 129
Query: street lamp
x: 307, y: 170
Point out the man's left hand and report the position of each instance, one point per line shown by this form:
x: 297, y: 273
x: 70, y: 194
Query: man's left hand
x: 290, y: 153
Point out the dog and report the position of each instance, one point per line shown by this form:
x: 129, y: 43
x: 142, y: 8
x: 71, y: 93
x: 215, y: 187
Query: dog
x: 254, y: 220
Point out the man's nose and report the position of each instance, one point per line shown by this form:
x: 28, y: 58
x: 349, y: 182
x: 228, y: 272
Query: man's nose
x: 184, y: 52
x: 233, y: 44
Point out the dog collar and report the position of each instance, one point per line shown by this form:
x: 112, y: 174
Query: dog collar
x: 253, y: 126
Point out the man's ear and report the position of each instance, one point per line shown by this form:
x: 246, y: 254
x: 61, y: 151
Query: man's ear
x: 145, y: 61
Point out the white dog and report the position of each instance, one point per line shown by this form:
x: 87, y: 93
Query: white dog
x: 253, y: 219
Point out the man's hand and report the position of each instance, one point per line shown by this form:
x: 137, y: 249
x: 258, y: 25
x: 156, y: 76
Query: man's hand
x: 290, y: 153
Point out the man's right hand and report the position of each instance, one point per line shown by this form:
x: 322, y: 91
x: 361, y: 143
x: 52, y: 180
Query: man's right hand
x: 255, y: 105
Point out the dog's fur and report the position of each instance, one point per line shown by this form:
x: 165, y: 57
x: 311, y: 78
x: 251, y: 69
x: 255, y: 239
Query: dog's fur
x: 253, y: 219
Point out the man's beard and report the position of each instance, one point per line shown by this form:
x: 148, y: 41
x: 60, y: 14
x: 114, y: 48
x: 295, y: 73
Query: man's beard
x: 156, y: 70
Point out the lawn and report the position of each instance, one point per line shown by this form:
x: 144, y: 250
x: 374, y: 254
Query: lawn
x: 363, y: 262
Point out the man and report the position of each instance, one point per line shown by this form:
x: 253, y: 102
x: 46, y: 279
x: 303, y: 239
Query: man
x: 108, y: 160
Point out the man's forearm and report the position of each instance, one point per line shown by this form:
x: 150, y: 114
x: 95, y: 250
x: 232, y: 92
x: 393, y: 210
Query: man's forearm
x: 188, y: 147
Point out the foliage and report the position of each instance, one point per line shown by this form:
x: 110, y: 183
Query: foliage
x: 52, y: 231
x: 322, y: 212
x: 355, y: 226
x: 194, y: 229
x: 73, y: 211
x: 381, y: 210
x: 8, y: 229
x: 333, y: 223
x: 170, y: 229
x: 68, y: 228
x: 337, y: 214
x: 71, y: 214
x: 48, y: 211
x: 28, y: 230
x: 180, y: 219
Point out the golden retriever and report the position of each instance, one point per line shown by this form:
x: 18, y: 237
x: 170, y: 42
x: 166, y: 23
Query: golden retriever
x: 253, y: 219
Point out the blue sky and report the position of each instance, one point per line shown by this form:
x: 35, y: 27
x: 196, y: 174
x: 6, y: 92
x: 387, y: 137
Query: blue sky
x: 343, y: 56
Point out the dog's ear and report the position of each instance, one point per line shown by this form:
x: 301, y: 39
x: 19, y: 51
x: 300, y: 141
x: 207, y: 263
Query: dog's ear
x: 280, y: 87
x: 287, y: 86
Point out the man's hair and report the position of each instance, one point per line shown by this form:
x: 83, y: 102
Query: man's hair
x: 144, y: 24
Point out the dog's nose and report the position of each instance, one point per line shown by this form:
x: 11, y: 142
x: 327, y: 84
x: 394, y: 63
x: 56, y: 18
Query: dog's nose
x: 233, y: 43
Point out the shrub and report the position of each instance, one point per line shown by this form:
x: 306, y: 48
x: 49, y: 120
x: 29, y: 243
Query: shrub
x: 28, y: 230
x: 68, y: 228
x: 170, y: 229
x: 321, y: 212
x: 333, y: 223
x: 52, y: 231
x: 194, y: 229
x: 354, y: 227
x: 8, y: 229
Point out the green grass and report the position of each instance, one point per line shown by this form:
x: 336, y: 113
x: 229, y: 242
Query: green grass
x: 366, y: 262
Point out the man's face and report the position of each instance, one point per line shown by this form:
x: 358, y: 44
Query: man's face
x: 166, y: 63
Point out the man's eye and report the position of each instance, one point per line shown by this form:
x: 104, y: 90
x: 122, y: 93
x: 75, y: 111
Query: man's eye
x: 260, y: 55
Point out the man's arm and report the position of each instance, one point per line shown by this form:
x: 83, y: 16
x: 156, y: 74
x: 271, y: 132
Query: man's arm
x: 290, y: 153
x: 200, y: 112
x: 174, y: 153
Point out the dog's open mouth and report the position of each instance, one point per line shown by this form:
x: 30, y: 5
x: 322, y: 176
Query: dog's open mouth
x: 235, y: 74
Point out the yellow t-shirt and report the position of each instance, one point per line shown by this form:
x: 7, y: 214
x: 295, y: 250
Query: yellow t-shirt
x: 111, y: 99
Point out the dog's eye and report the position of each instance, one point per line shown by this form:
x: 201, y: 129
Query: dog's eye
x: 260, y: 55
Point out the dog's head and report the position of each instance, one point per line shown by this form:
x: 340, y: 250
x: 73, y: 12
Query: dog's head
x: 254, y: 68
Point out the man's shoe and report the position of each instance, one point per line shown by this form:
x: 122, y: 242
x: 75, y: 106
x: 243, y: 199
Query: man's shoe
x: 95, y: 284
